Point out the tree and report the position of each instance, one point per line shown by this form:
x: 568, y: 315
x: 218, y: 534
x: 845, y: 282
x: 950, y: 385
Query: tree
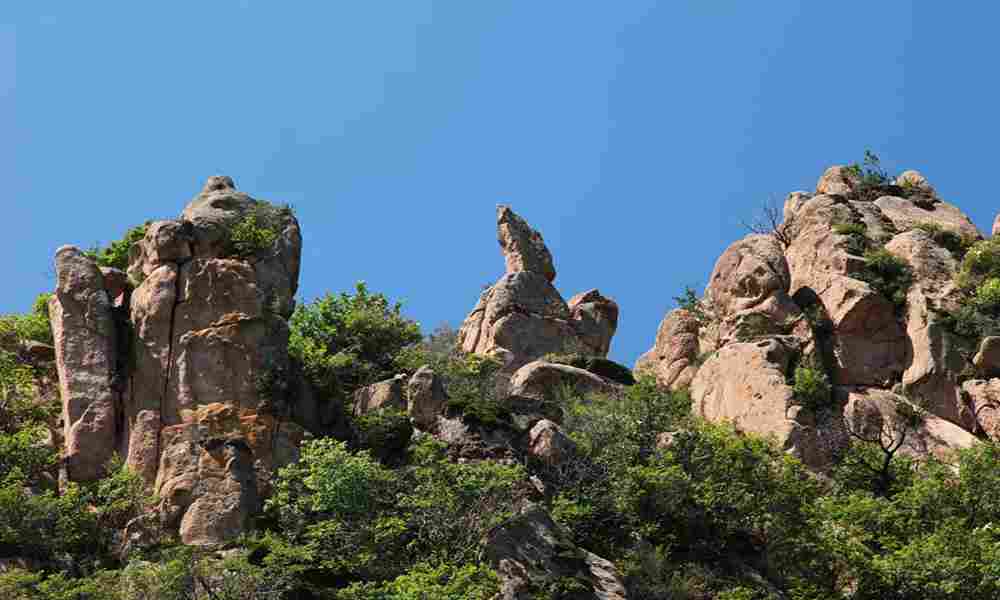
x: 770, y: 220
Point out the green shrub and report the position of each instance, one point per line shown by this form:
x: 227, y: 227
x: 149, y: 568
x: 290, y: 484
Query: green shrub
x: 888, y: 275
x: 425, y: 582
x: 472, y: 390
x: 33, y: 326
x: 872, y: 180
x: 699, y: 308
x: 347, y: 341
x: 258, y: 230
x: 384, y: 432
x: 987, y: 297
x: 115, y: 254
x: 850, y: 229
x: 811, y: 387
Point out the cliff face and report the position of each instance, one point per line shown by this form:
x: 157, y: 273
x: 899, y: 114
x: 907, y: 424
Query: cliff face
x: 186, y: 375
x: 804, y: 294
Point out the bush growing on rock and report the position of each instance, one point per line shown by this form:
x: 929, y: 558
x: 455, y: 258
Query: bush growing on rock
x: 345, y: 341
x: 115, y: 254
x: 888, y: 275
x: 258, y: 230
x: 811, y: 386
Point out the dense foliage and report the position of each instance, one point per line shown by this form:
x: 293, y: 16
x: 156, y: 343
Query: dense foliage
x: 258, y: 230
x: 344, y: 341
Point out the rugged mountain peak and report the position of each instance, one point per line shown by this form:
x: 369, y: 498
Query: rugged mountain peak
x: 206, y: 383
x: 850, y: 286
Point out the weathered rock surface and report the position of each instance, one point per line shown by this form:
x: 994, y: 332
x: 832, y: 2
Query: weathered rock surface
x: 745, y: 383
x: 540, y: 378
x: 523, y: 247
x: 982, y: 397
x: 522, y: 316
x: 934, y: 361
x: 672, y: 359
x: 868, y: 343
x: 390, y: 393
x: 531, y: 551
x: 987, y: 359
x: 837, y: 180
x: 205, y: 420
x: 905, y: 215
x: 83, y: 328
x: 426, y: 397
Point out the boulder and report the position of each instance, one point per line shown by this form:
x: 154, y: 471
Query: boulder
x: 523, y: 247
x: 838, y: 180
x: 916, y: 182
x: 548, y: 443
x: 115, y: 283
x: 425, y: 397
x: 673, y: 357
x: 595, y: 319
x: 537, y: 380
x: 83, y: 329
x: 874, y: 413
x: 383, y: 394
x: 987, y: 359
x: 530, y: 552
x: 996, y: 226
x: 745, y: 383
x: 905, y: 215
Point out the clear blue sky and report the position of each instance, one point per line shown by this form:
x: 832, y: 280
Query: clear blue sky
x: 635, y: 135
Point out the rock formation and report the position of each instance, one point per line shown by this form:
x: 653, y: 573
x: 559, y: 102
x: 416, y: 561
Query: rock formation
x: 775, y: 302
x: 522, y: 316
x: 195, y: 395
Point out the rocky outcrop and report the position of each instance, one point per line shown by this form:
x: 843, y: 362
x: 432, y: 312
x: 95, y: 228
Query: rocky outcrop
x: 531, y: 553
x: 982, y: 397
x: 202, y: 411
x: 548, y: 443
x: 801, y: 297
x: 523, y: 317
x: 746, y: 384
x: 91, y: 387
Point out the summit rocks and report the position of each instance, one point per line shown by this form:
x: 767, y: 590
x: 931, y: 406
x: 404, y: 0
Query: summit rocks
x: 522, y: 316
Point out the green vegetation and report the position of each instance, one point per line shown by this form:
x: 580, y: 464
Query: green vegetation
x: 258, y: 230
x: 888, y: 275
x: 115, y: 254
x: 698, y: 307
x: 856, y: 240
x: 811, y: 386
x: 872, y: 180
x: 347, y: 341
x: 978, y: 312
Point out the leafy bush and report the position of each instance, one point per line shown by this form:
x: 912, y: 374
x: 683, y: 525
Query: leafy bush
x: 33, y: 326
x: 873, y: 180
x: 425, y: 581
x: 850, y: 229
x: 347, y: 341
x: 987, y: 297
x: 384, y: 432
x: 115, y: 254
x: 888, y: 275
x: 472, y: 389
x: 343, y: 517
x: 597, y: 365
x: 812, y: 387
x: 700, y: 308
x: 258, y: 230
x: 856, y: 237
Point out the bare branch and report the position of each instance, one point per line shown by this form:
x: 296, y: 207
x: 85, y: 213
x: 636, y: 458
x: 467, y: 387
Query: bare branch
x: 771, y: 221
